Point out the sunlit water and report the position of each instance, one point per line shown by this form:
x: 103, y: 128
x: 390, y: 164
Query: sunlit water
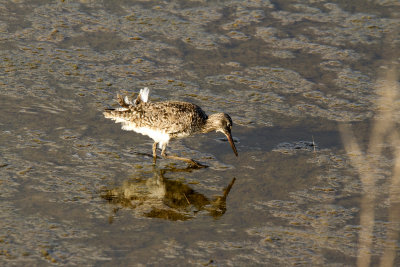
x: 76, y: 189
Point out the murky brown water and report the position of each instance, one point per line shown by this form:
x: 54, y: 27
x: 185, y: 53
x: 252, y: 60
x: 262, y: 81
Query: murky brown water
x: 77, y: 190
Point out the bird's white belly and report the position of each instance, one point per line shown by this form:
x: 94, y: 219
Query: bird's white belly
x: 158, y: 136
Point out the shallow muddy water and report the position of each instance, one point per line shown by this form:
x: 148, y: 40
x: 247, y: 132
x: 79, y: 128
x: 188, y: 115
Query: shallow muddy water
x: 77, y: 190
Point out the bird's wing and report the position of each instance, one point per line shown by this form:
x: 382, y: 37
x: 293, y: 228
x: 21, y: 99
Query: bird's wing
x: 175, y: 118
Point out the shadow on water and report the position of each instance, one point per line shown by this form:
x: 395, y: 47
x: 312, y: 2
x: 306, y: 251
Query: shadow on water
x: 165, y: 198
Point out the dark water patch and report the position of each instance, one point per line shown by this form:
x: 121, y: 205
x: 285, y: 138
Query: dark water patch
x: 98, y: 41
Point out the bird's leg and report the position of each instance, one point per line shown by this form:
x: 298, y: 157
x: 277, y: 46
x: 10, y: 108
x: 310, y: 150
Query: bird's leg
x: 190, y: 161
x: 154, y: 152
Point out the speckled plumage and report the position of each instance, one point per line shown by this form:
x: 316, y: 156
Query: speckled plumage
x: 163, y: 121
x: 178, y: 119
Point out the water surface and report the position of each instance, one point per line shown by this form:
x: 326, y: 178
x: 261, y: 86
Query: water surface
x: 77, y: 190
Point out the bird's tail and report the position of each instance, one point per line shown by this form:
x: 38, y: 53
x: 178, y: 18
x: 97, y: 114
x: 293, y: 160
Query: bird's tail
x: 120, y: 114
x: 143, y: 96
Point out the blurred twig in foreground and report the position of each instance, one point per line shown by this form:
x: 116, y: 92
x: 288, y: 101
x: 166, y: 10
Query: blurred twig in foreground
x: 366, y: 164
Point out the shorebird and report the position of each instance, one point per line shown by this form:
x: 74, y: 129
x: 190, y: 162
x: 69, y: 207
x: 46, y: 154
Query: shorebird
x: 163, y: 121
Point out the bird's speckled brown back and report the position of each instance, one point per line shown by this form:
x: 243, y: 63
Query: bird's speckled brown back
x: 178, y: 119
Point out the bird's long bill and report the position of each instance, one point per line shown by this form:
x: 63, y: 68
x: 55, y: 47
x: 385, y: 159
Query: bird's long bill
x: 229, y: 136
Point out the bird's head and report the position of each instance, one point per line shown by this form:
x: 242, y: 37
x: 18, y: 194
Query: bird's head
x: 221, y: 122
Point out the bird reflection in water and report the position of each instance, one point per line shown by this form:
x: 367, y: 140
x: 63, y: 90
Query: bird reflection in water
x: 160, y: 197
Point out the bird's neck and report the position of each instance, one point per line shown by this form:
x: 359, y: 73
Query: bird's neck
x: 209, y: 126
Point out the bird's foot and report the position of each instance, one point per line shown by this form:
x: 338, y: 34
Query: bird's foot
x: 196, y: 165
x: 192, y: 163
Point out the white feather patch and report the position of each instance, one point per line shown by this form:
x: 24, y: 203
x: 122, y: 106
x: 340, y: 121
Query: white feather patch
x: 121, y: 109
x: 144, y: 94
x: 119, y: 120
x: 158, y: 136
x: 127, y: 101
